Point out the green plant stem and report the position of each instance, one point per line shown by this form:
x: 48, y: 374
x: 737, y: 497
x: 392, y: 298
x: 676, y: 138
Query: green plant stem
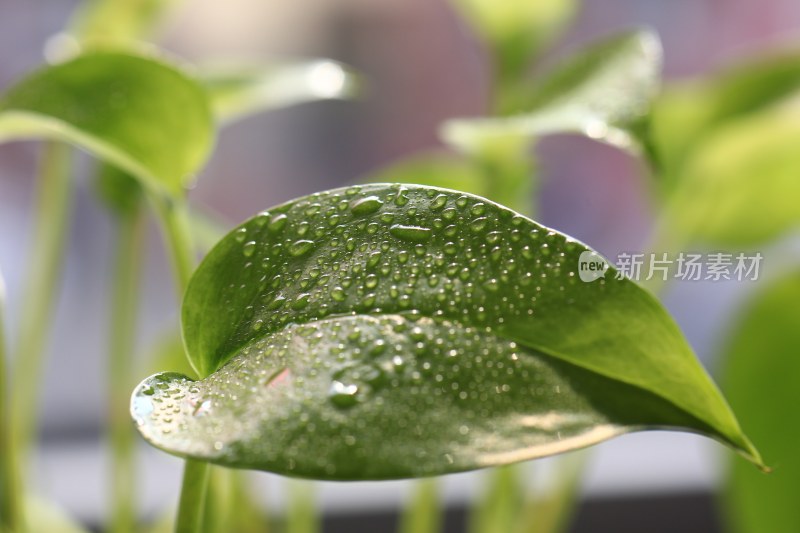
x: 302, y: 516
x: 10, y: 509
x: 173, y: 216
x: 193, y: 496
x: 124, y: 303
x: 552, y: 511
x: 53, y: 207
x: 423, y: 513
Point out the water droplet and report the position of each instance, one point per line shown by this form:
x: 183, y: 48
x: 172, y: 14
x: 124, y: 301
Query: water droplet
x: 301, y: 301
x: 479, y: 224
x: 366, y: 206
x: 249, y: 248
x: 300, y: 247
x: 478, y: 209
x: 338, y: 294
x: 277, y: 223
x: 240, y: 234
x: 342, y: 395
x: 439, y: 202
x: 410, y: 233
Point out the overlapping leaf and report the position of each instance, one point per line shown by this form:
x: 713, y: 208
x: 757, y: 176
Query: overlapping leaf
x: 137, y: 113
x: 604, y: 91
x: 390, y: 331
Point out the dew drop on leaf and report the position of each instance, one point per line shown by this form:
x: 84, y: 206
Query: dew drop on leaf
x: 410, y: 233
x: 366, y: 206
x: 343, y: 395
x: 300, y: 247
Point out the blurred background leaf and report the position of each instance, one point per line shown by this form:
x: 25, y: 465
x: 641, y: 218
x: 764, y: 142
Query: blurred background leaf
x: 117, y: 22
x: 239, y: 92
x: 603, y: 91
x: 140, y: 114
x: 762, y: 382
x: 742, y: 188
x: 688, y: 112
x: 515, y: 31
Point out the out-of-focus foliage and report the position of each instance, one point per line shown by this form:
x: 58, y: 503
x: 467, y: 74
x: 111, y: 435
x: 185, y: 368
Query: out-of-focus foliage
x: 741, y: 188
x: 603, y: 91
x: 516, y: 30
x: 138, y: 113
x: 762, y: 382
x: 236, y: 93
x: 688, y: 112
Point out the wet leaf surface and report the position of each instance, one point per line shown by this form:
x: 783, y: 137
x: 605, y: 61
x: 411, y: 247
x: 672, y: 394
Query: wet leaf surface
x: 392, y: 331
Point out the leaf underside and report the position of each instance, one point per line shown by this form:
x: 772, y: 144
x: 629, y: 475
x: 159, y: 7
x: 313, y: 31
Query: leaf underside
x: 394, y: 331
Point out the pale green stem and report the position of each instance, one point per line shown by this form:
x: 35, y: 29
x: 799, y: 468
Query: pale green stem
x: 10, y: 504
x: 499, y: 508
x: 174, y: 219
x: 552, y: 512
x: 302, y: 516
x: 175, y: 227
x: 193, y: 496
x: 124, y: 303
x: 423, y: 513
x: 53, y: 208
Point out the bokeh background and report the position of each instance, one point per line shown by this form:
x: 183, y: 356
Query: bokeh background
x: 422, y: 65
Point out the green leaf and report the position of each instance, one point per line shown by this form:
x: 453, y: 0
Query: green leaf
x: 688, y: 112
x: 387, y: 331
x: 604, y: 91
x: 118, y: 190
x: 762, y: 379
x: 239, y: 92
x: 137, y: 113
x: 741, y: 188
x: 116, y: 22
x: 516, y: 30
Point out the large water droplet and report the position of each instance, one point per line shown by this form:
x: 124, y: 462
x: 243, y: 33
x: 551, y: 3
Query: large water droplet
x: 277, y: 223
x: 249, y: 248
x: 300, y: 247
x: 366, y: 206
x: 343, y: 395
x: 410, y: 233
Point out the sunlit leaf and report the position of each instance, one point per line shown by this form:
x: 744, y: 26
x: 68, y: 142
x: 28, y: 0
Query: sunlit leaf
x: 116, y: 21
x: 689, y: 111
x: 515, y: 30
x: 604, y: 91
x: 137, y: 113
x: 238, y: 92
x: 762, y: 380
x: 394, y: 331
x: 741, y: 189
